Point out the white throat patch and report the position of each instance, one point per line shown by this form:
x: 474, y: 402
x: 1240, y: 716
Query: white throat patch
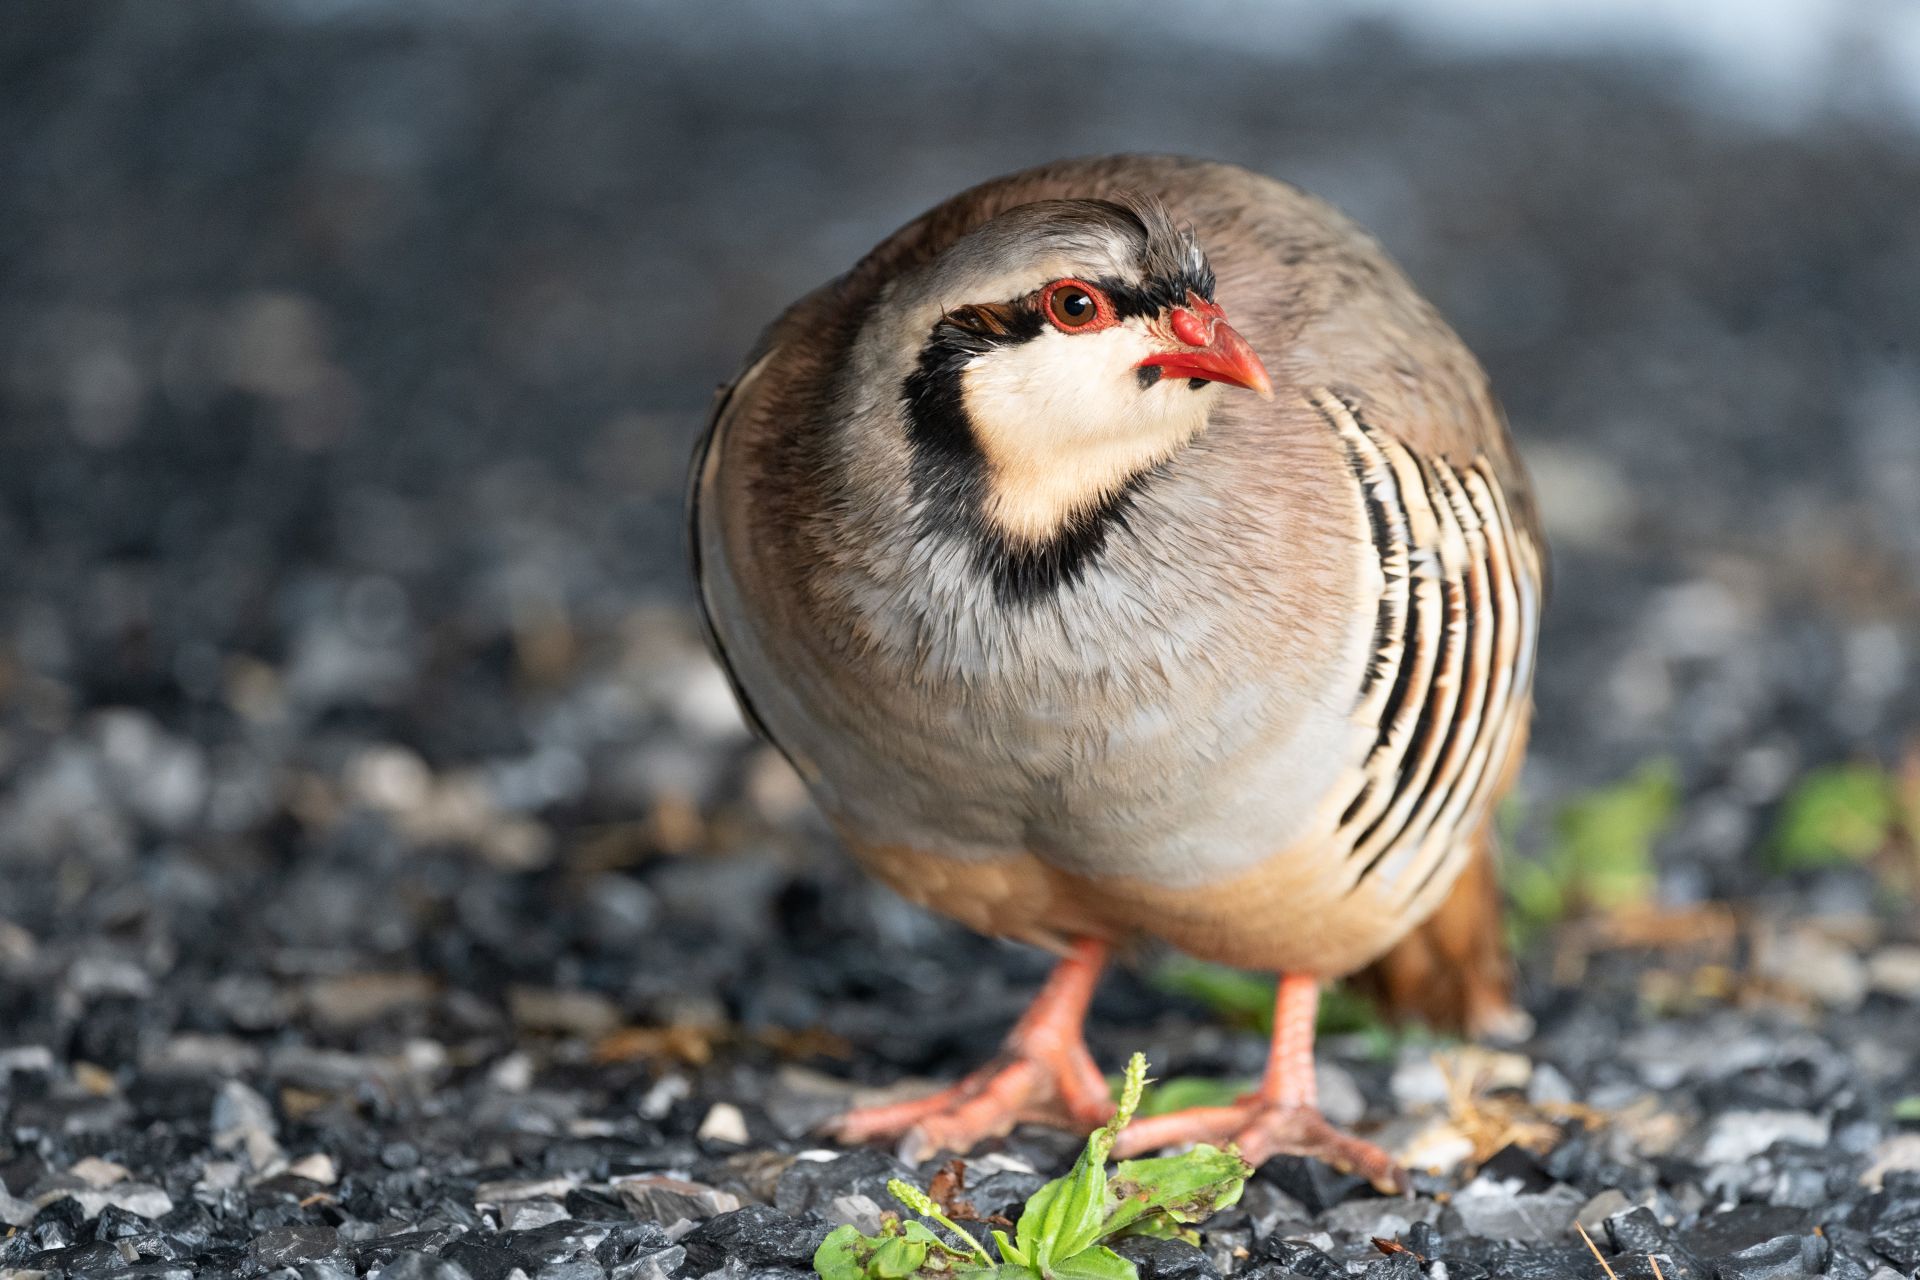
x: 1064, y: 423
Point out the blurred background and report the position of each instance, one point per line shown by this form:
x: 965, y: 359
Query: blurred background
x: 351, y: 351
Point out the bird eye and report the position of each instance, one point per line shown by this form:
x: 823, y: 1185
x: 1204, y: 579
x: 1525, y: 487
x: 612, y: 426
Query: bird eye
x: 1073, y: 306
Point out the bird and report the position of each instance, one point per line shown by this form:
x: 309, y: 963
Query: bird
x: 1125, y: 553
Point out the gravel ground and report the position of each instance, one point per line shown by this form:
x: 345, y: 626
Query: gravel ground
x: 386, y: 884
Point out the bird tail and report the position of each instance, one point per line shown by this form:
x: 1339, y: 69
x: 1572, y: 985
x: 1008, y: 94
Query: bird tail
x: 1453, y: 972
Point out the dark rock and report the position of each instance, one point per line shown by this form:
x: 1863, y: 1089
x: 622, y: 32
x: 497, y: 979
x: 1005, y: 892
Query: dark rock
x: 1850, y: 1255
x: 399, y: 1155
x: 1003, y: 1191
x: 156, y: 1270
x: 414, y: 1265
x: 1517, y: 1164
x: 596, y: 1206
x: 656, y: 1198
x: 115, y: 1223
x: 61, y: 1223
x: 1655, y: 1266
x: 385, y: 1250
x: 1578, y: 1161
x: 1899, y: 1240
x: 292, y: 1246
x: 572, y: 1269
x: 1731, y: 1230
x: 1783, y: 1258
x: 1166, y: 1259
x: 1301, y: 1259
x: 486, y: 1260
x: 1315, y: 1185
x: 80, y: 1260
x: 1637, y: 1231
x: 1398, y: 1266
x: 1560, y: 1262
x: 811, y: 1185
x: 557, y: 1241
x: 650, y: 1266
x: 758, y: 1235
x: 627, y: 1241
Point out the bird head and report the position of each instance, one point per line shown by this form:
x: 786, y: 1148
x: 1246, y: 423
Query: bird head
x: 1062, y: 349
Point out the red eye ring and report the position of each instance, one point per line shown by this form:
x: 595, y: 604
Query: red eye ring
x: 1064, y: 304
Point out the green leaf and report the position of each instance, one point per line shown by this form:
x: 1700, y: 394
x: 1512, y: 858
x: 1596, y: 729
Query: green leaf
x: 1062, y: 1225
x: 897, y: 1258
x: 1065, y: 1216
x: 1175, y: 1190
x: 902, y: 1251
x: 1838, y: 814
x: 1239, y: 998
x: 922, y: 1203
x: 1096, y: 1263
x: 1604, y: 840
x: 840, y: 1257
x: 1009, y: 1251
x: 1345, y: 1012
x: 1246, y: 1000
x: 1600, y: 855
x: 1163, y: 1229
x: 1907, y: 1109
x: 1190, y: 1091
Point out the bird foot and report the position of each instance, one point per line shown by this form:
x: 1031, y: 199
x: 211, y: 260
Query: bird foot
x: 1263, y: 1128
x: 1059, y: 1085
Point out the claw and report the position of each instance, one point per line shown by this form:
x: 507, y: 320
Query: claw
x: 1045, y: 1075
x: 1263, y: 1129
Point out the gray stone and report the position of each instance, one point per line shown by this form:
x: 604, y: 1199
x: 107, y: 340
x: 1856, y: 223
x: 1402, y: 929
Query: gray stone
x: 571, y: 1269
x: 856, y: 1210
x: 1818, y: 967
x: 243, y: 1121
x: 1370, y: 1217
x: 1549, y: 1085
x: 293, y: 1246
x: 1340, y: 1098
x: 414, y: 1265
x: 1896, y: 971
x: 1738, y: 1136
x: 14, y: 1213
x: 659, y: 1199
x: 1594, y: 1214
x: 524, y: 1215
x: 1501, y: 1210
x: 655, y: 1266
x: 141, y: 1199
x: 511, y: 1190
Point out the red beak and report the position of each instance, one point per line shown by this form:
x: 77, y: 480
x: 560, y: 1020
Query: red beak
x: 1212, y: 350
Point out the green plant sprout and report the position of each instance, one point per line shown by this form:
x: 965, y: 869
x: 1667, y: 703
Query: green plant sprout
x: 1838, y: 814
x: 1062, y: 1230
x: 1601, y: 855
x: 1246, y: 1000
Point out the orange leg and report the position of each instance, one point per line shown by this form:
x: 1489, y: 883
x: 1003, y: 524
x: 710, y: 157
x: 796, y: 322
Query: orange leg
x: 1282, y: 1117
x: 1043, y: 1074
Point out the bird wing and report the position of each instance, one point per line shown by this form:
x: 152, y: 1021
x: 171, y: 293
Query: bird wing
x: 728, y: 399
x: 1450, y: 685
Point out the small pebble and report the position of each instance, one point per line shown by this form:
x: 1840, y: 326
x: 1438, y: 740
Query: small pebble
x: 724, y: 1123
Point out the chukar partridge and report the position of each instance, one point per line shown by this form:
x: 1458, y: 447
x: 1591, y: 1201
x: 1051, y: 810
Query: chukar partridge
x: 1124, y: 550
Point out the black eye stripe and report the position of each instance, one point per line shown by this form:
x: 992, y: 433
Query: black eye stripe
x: 1023, y: 318
x: 1151, y: 297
